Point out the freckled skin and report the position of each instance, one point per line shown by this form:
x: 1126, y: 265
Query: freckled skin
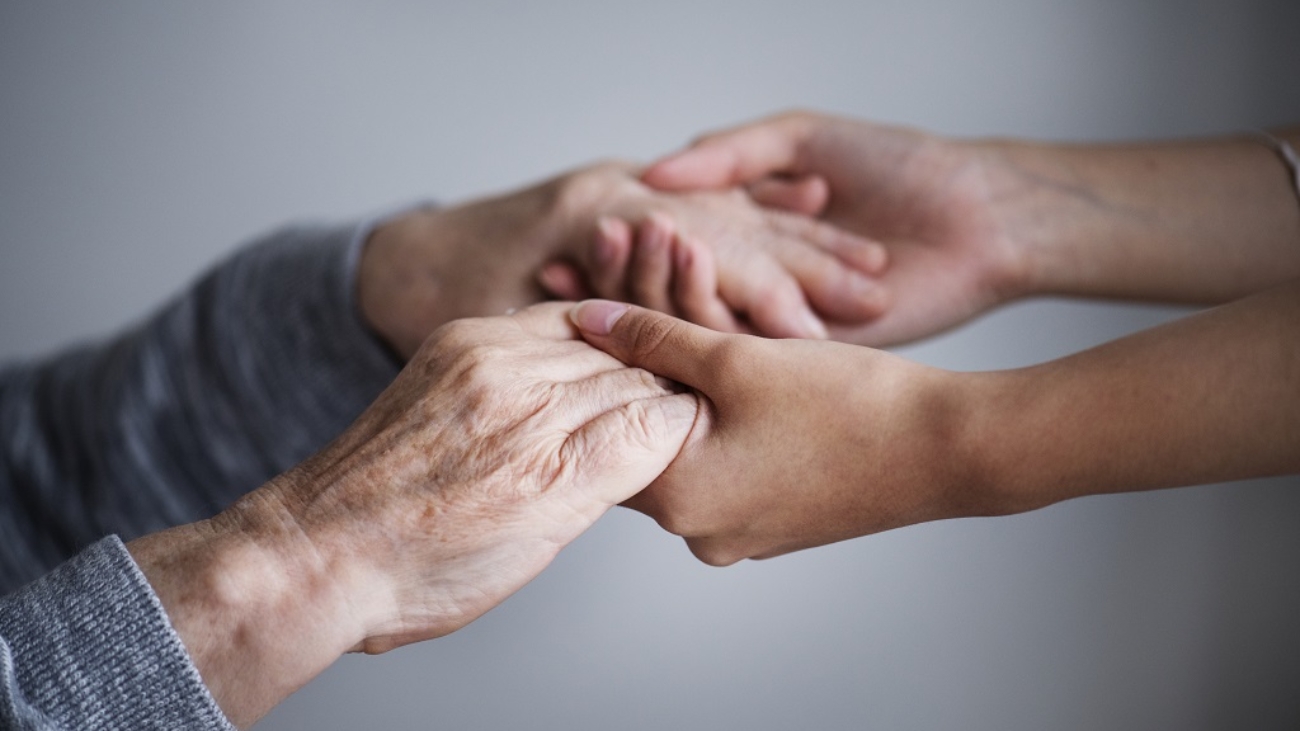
x: 501, y: 442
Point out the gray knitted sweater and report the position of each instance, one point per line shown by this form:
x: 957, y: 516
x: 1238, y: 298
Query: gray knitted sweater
x: 254, y: 368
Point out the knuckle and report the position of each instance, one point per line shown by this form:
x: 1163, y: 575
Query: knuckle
x: 452, y: 338
x: 650, y: 336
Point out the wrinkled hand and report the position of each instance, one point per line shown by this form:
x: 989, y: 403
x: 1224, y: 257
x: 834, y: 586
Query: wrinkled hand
x: 500, y: 442
x: 929, y: 201
x: 485, y: 257
x: 799, y: 443
x: 722, y: 261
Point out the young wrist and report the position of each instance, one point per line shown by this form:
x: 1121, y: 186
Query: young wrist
x: 1045, y: 208
x: 986, y: 469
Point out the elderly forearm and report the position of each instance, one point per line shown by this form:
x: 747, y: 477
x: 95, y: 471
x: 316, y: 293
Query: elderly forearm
x: 1202, y: 221
x: 407, y: 527
x: 1209, y: 398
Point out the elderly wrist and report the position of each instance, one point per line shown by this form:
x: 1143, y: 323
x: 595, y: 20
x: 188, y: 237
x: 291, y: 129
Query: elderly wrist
x: 389, y: 275
x: 258, y: 610
x: 316, y: 568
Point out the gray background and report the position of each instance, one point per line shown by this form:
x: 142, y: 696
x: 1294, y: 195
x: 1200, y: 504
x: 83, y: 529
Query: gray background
x: 141, y: 141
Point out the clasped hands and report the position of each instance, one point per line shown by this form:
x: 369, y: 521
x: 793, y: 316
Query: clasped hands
x: 505, y: 437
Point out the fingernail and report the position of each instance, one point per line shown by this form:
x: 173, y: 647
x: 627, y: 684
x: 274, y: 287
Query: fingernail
x: 812, y: 325
x: 597, y: 316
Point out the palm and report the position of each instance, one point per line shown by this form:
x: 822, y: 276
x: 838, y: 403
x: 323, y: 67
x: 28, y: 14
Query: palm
x: 927, y: 202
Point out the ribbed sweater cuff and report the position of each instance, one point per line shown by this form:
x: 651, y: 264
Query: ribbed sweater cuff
x: 89, y: 646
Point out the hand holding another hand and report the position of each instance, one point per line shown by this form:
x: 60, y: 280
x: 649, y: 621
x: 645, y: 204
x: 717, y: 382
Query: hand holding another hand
x: 933, y: 203
x: 799, y: 443
x: 500, y: 442
x: 718, y: 259
x: 481, y: 258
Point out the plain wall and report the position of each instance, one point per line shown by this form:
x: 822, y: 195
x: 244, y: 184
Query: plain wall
x: 139, y: 142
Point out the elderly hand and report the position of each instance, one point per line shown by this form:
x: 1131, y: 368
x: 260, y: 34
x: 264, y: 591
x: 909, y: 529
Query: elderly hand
x: 501, y: 442
x: 931, y: 202
x: 431, y: 266
x: 799, y: 443
x: 720, y: 260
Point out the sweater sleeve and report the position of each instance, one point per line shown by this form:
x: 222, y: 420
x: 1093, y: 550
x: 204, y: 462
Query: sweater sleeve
x: 250, y: 371
x: 88, y: 647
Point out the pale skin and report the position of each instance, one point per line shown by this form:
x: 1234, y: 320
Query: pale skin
x: 971, y: 224
x: 825, y: 441
x: 505, y: 438
x: 500, y: 442
x: 487, y: 256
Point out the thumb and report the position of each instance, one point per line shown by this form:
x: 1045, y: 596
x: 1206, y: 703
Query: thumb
x: 659, y: 343
x: 625, y: 449
x: 732, y: 157
x: 807, y: 195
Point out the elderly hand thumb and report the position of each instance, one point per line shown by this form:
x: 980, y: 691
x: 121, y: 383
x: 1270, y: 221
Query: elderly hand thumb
x: 628, y: 447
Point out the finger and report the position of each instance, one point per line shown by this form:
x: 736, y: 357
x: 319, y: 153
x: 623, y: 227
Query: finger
x: 618, y: 453
x: 545, y: 321
x: 579, y: 401
x: 562, y: 280
x: 859, y: 252
x: 650, y: 269
x: 806, y: 195
x: 695, y: 286
x: 536, y: 345
x: 772, y: 300
x: 733, y: 157
x: 835, y: 289
x: 839, y: 293
x: 651, y: 340
x: 608, y: 257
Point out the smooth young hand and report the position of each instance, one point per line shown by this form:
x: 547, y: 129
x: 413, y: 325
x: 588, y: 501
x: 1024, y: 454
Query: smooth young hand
x: 799, y: 443
x: 927, y: 200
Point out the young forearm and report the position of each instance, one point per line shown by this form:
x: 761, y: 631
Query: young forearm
x: 1210, y: 398
x: 1201, y: 221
